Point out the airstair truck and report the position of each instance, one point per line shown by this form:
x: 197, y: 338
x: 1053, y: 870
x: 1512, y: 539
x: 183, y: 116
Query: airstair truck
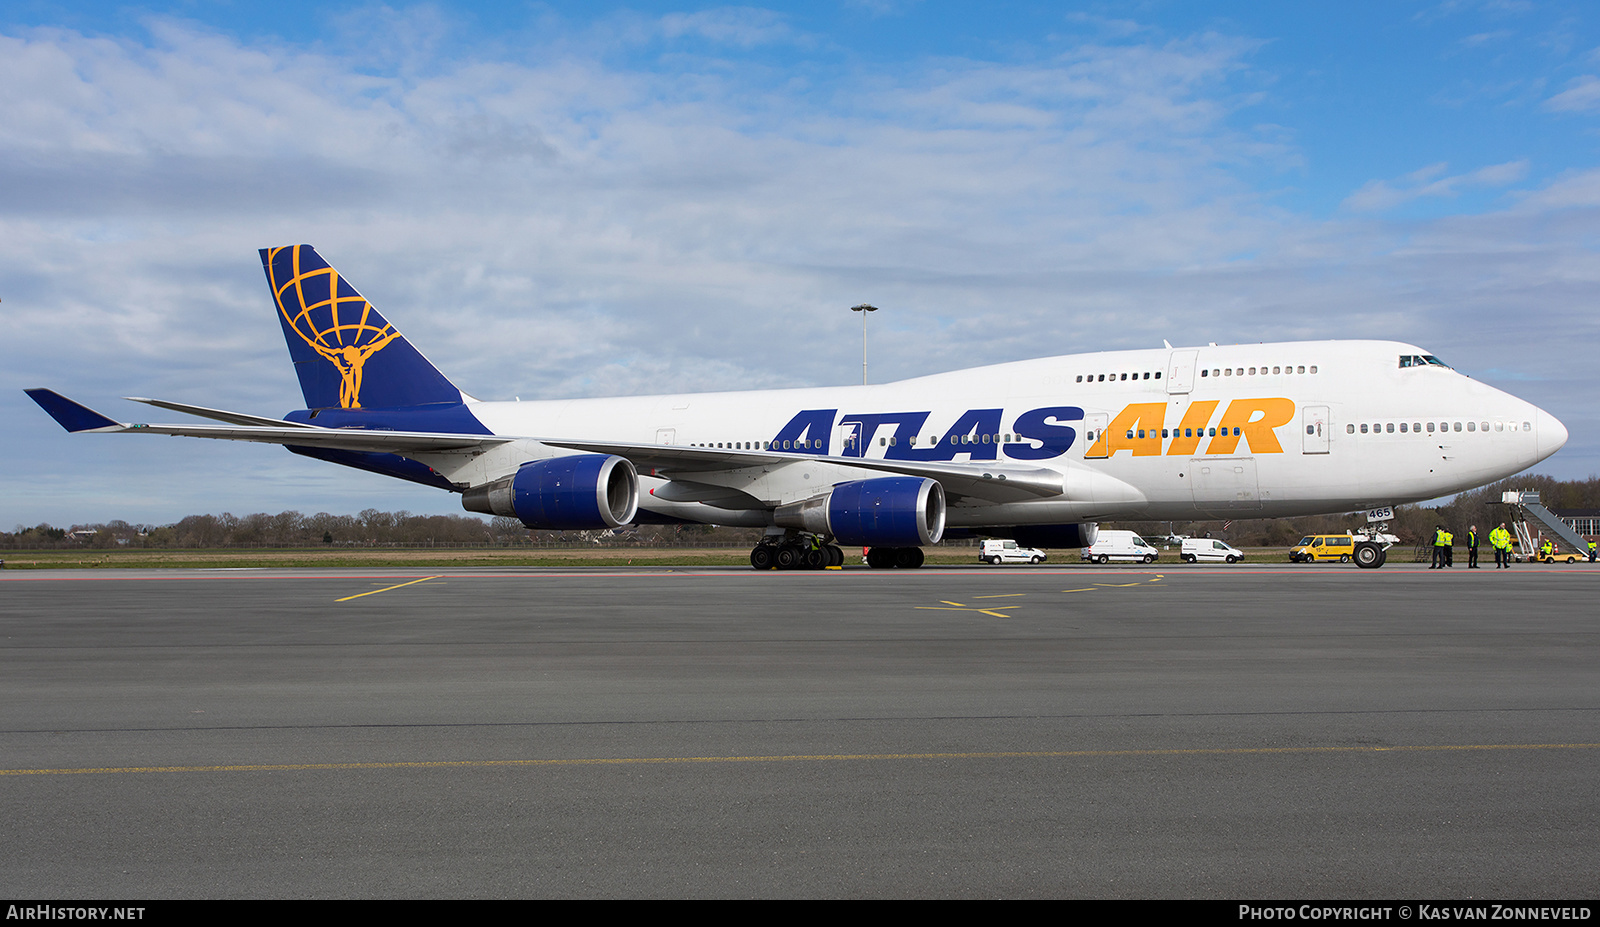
x: 1567, y: 545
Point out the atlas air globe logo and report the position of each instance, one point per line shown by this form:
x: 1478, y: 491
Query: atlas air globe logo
x: 331, y: 317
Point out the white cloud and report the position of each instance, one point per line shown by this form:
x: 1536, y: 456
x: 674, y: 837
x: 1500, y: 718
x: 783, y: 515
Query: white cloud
x: 1380, y: 195
x: 740, y: 26
x: 1581, y: 96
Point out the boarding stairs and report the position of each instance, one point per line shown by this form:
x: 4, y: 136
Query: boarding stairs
x: 1526, y: 506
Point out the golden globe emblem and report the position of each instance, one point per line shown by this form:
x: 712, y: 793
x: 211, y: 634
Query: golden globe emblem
x: 344, y: 330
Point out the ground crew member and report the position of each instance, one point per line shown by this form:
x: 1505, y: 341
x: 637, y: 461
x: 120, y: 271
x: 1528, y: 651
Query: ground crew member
x: 1500, y: 540
x: 1547, y: 548
x: 1591, y: 551
x: 1449, y: 549
x: 1438, y: 548
x: 1472, y: 548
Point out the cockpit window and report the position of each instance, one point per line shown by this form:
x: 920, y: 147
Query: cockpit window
x: 1422, y: 360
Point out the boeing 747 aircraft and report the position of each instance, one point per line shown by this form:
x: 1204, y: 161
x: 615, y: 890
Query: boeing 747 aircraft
x: 1036, y: 450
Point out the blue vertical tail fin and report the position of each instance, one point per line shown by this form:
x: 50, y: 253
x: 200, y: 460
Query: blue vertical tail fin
x: 346, y: 354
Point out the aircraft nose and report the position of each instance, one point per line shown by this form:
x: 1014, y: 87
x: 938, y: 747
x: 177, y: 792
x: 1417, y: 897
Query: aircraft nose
x: 1551, y: 434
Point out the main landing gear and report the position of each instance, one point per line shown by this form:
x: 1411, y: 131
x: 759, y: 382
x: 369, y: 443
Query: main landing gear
x: 801, y: 551
x: 797, y: 553
x: 905, y: 558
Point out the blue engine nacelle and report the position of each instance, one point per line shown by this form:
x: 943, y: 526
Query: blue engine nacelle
x: 896, y: 511
x: 580, y: 491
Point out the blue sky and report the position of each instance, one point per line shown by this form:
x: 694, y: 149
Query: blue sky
x: 559, y: 200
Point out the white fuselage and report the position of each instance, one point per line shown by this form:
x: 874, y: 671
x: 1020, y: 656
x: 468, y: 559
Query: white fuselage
x: 1224, y: 431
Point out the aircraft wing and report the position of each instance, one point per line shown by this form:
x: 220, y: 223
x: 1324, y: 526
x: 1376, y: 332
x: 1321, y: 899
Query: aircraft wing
x: 991, y: 482
x: 78, y: 418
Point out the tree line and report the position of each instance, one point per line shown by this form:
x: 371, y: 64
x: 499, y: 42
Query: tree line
x: 371, y: 528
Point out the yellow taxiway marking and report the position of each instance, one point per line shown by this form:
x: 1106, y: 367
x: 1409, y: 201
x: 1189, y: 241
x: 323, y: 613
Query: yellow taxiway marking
x: 993, y: 609
x: 958, y: 607
x: 1155, y: 579
x: 796, y: 758
x: 387, y: 588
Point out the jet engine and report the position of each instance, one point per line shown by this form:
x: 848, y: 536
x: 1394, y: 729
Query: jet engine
x: 897, y: 511
x: 580, y: 491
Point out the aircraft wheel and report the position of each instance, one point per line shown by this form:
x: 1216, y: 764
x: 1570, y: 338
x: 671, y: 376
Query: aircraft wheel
x: 1370, y: 556
x: 814, y: 558
x: 908, y: 558
x: 835, y: 555
x: 876, y: 559
x: 787, y: 558
x: 761, y: 557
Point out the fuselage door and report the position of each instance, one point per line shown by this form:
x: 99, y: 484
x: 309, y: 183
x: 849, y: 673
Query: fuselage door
x: 1180, y: 371
x: 850, y: 441
x: 1314, y: 424
x: 1224, y: 484
x: 1094, y: 434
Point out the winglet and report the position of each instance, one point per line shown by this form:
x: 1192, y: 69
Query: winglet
x: 68, y: 414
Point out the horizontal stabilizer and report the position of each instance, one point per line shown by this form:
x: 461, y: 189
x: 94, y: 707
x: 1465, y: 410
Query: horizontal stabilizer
x: 78, y: 418
x: 68, y: 414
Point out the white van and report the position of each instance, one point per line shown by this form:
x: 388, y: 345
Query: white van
x: 1211, y: 549
x: 1119, y: 545
x: 1006, y: 551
